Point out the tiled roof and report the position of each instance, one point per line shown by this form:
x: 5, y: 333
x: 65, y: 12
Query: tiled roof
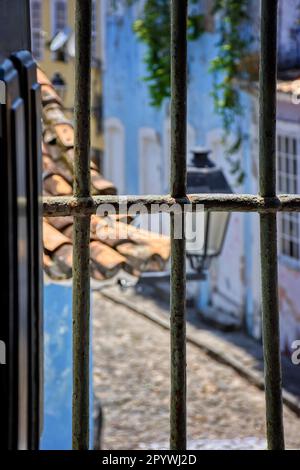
x: 289, y: 86
x: 289, y: 82
x: 131, y: 249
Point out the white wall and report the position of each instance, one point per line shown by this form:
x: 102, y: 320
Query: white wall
x: 150, y: 162
x: 114, y: 153
x: 227, y: 270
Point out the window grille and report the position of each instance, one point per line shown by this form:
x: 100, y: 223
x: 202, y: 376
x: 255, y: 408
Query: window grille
x: 287, y: 160
x: 267, y: 204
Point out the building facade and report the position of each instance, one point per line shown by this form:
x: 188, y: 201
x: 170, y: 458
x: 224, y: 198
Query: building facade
x: 137, y: 158
x: 48, y: 18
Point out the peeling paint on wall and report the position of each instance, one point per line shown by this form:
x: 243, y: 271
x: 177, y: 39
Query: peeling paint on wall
x: 234, y: 282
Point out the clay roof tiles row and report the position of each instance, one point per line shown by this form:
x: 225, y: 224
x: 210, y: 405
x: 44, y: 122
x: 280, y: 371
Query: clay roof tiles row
x: 115, y: 244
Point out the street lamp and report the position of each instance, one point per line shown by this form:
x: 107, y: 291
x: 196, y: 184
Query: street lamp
x: 59, y: 84
x: 203, y: 176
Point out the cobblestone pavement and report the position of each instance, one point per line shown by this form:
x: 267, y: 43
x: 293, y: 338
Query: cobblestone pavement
x: 131, y: 378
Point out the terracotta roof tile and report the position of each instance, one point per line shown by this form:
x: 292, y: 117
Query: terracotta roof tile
x: 68, y: 231
x: 108, y: 261
x: 289, y: 87
x: 141, y: 256
x: 49, y: 95
x: 45, y: 149
x: 109, y: 231
x: 65, y: 134
x: 50, y: 168
x: 49, y: 136
x: 53, y: 113
x: 47, y: 261
x: 289, y: 83
x: 56, y: 185
x: 42, y: 78
x: 114, y: 243
x: 53, y: 238
x: 60, y: 223
x: 48, y: 164
x: 63, y: 258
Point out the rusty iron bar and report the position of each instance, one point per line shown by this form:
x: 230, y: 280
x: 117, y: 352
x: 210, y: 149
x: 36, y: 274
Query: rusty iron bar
x: 61, y: 206
x: 81, y: 234
x: 178, y: 190
x: 268, y: 229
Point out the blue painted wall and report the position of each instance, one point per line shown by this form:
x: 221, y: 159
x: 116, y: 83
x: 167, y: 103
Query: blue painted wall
x: 127, y: 99
x: 57, y: 429
x: 125, y: 94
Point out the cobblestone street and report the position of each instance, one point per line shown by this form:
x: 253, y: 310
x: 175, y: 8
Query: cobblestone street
x: 131, y: 378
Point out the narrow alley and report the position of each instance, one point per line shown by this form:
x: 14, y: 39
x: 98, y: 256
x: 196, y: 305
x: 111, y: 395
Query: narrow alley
x: 131, y: 378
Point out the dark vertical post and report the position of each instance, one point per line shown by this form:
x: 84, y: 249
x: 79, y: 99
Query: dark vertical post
x: 268, y: 233
x: 178, y: 189
x: 81, y: 236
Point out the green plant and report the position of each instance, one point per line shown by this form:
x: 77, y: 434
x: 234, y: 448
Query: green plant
x: 153, y: 28
x: 232, y: 46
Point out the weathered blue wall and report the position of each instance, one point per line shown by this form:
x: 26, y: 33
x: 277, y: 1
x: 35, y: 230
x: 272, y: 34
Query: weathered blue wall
x: 127, y: 99
x: 57, y: 426
x: 233, y: 285
x: 289, y: 34
x: 126, y: 95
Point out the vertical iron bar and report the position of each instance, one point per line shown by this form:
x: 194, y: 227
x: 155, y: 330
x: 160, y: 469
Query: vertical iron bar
x: 81, y: 235
x: 178, y: 189
x: 268, y: 232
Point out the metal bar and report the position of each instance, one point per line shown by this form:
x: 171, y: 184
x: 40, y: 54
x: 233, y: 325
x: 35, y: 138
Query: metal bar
x: 64, y: 206
x: 268, y: 232
x: 178, y: 189
x: 81, y: 234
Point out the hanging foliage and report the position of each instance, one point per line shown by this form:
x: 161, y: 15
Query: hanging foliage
x: 232, y: 46
x: 153, y: 28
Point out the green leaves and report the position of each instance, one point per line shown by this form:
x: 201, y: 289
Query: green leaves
x: 153, y: 28
x: 232, y: 46
x: 196, y: 26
